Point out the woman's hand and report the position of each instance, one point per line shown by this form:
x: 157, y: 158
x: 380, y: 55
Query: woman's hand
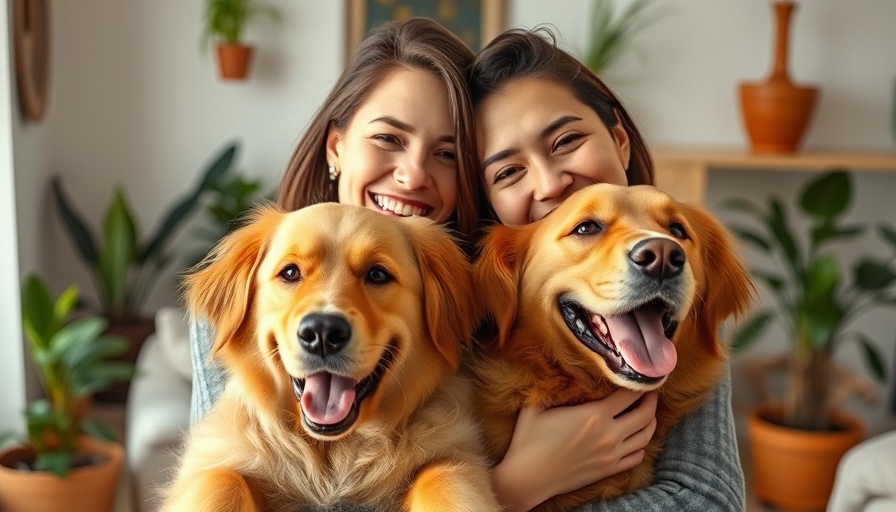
x: 558, y: 450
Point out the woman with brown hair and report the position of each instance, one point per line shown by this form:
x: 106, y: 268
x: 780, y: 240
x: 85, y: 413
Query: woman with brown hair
x: 395, y: 134
x: 547, y: 127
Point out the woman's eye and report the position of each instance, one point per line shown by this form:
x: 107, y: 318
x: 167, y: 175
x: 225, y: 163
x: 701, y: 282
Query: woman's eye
x: 387, y: 138
x: 678, y: 231
x: 378, y: 275
x: 566, y: 140
x: 448, y: 155
x: 290, y: 273
x: 586, y: 228
x: 505, y: 173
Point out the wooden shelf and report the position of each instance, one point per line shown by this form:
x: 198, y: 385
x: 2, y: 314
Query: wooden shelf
x: 682, y: 171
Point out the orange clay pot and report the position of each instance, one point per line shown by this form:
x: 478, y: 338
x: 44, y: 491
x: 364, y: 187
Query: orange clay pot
x: 234, y: 60
x: 776, y: 112
x: 794, y: 469
x: 85, y: 489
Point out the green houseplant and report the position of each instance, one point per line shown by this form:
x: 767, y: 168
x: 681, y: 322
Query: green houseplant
x: 225, y: 21
x: 611, y: 32
x: 815, y: 300
x: 123, y: 264
x: 73, y: 360
x: 796, y: 443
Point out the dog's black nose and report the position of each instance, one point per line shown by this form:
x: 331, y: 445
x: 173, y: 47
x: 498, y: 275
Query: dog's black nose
x: 324, y: 334
x: 658, y: 258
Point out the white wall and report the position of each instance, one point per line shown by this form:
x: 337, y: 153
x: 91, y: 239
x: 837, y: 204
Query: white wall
x: 12, y: 378
x: 135, y: 102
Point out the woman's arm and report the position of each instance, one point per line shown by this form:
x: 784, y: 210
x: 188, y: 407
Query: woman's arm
x: 698, y: 470
x: 208, y: 378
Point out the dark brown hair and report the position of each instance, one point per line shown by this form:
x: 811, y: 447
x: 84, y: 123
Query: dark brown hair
x: 534, y: 53
x: 415, y: 43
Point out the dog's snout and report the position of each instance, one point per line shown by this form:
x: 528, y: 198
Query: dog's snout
x: 658, y: 258
x: 324, y: 334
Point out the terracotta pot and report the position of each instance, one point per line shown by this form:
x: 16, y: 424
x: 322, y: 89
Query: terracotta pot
x: 136, y: 331
x: 794, y: 469
x: 234, y: 60
x: 85, y: 489
x: 776, y: 112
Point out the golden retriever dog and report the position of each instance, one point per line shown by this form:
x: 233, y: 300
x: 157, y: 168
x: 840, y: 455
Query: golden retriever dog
x: 587, y: 300
x: 341, y: 331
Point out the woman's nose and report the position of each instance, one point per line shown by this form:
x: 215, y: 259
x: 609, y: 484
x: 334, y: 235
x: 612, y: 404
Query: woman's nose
x: 549, y: 183
x: 411, y: 174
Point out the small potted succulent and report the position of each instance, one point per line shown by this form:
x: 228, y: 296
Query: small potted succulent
x: 225, y: 22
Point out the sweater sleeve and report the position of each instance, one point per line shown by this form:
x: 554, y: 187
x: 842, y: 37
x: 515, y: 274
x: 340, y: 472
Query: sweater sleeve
x: 208, y: 377
x: 699, y: 469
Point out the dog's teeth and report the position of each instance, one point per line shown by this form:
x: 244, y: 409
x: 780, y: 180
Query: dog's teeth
x: 580, y: 325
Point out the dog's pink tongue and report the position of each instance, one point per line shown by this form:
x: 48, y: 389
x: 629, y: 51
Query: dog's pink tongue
x: 640, y: 339
x: 328, y: 398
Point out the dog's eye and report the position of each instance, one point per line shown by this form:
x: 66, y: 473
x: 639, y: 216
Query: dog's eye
x: 588, y: 227
x: 378, y: 275
x: 678, y: 231
x: 290, y: 273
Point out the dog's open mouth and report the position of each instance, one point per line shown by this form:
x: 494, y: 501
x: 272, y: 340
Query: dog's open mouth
x: 636, y: 345
x: 331, y: 402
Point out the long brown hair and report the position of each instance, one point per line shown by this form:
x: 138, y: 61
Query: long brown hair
x: 418, y: 43
x: 519, y: 53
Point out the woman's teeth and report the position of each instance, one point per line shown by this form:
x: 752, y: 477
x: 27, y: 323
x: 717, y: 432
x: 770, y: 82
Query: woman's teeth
x: 397, y: 207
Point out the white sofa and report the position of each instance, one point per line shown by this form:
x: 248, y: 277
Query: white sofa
x: 158, y: 408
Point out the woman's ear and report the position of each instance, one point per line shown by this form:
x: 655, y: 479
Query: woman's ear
x: 334, y: 140
x: 620, y: 135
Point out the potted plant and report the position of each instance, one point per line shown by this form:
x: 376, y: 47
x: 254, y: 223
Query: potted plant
x: 66, y: 461
x: 225, y: 21
x: 123, y: 265
x: 815, y: 302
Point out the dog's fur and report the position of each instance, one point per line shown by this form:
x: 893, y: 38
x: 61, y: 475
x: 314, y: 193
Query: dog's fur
x: 403, y: 289
x: 586, y: 251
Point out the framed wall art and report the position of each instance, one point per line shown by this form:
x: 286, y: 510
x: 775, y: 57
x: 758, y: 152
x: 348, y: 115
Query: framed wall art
x: 474, y: 21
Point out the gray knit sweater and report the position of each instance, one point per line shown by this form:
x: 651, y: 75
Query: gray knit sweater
x: 699, y: 470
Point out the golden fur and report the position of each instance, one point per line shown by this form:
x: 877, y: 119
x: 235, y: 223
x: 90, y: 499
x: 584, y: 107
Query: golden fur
x: 403, y: 287
x: 583, y: 253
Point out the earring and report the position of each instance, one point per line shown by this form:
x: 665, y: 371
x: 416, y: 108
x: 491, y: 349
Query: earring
x: 334, y: 172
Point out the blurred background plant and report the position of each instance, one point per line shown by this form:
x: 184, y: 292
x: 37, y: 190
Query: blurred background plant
x: 814, y: 300
x: 613, y: 30
x: 73, y: 360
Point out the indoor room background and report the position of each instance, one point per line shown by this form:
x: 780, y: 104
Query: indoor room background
x: 136, y: 101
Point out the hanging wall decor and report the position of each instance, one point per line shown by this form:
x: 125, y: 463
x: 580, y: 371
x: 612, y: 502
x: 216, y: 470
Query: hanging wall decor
x: 31, y: 44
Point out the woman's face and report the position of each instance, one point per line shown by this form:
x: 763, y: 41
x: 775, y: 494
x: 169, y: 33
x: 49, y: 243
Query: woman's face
x: 538, y: 144
x: 397, y: 155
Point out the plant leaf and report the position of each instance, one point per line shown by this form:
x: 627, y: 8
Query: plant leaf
x: 871, y: 275
x: 119, y: 253
x: 872, y: 357
x: 97, y: 430
x: 751, y: 329
x: 780, y: 227
x: 827, y: 196
x: 77, y: 228
x: 57, y: 463
x: 887, y: 232
x: 37, y: 312
x: 752, y: 237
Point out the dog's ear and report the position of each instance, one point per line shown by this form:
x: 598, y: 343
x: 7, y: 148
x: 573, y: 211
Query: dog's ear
x: 496, y: 275
x: 451, y: 313
x: 729, y: 290
x: 219, y: 287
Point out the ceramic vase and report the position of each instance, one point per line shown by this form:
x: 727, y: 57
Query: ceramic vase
x: 776, y: 112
